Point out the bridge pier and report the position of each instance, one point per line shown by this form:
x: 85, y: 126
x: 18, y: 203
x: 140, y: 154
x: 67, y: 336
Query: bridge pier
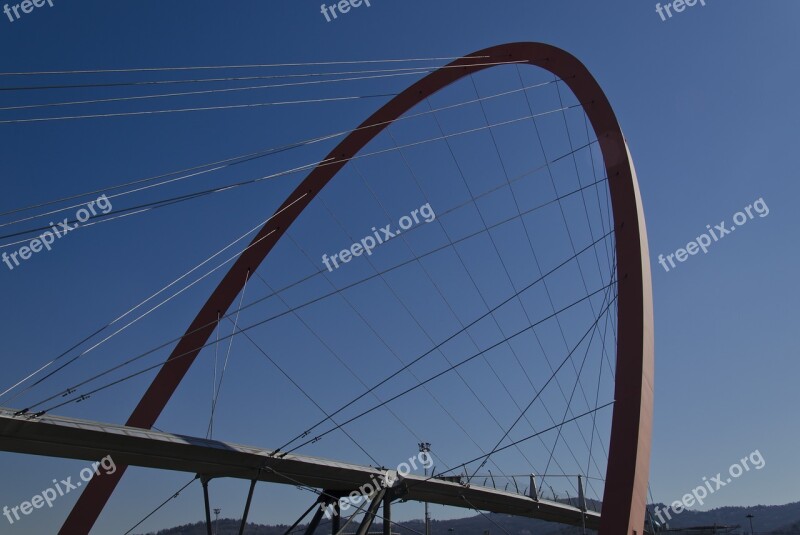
x: 312, y: 526
x: 387, y: 514
x: 336, y: 521
x: 205, y: 481
x: 247, y: 506
x: 369, y: 515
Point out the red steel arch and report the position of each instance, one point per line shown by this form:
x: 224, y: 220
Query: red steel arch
x: 625, y: 495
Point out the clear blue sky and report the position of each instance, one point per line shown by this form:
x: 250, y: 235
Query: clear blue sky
x: 707, y: 101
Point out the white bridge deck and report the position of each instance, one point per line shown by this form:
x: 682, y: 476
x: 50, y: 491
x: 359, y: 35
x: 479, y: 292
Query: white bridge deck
x: 70, y: 438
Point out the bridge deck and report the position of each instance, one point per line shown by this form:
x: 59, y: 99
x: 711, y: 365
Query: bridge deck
x: 56, y: 436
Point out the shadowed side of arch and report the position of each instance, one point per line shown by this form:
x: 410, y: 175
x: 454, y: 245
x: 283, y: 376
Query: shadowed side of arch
x: 627, y: 474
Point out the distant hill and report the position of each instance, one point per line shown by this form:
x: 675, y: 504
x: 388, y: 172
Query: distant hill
x: 768, y: 519
x: 792, y: 529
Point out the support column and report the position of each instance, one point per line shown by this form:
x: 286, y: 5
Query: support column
x: 291, y: 528
x: 247, y: 506
x: 369, y: 516
x: 387, y: 514
x: 312, y: 526
x: 208, y: 508
x: 336, y: 521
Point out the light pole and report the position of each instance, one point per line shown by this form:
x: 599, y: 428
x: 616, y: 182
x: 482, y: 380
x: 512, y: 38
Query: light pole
x: 217, y: 511
x: 750, y: 518
x: 425, y: 447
